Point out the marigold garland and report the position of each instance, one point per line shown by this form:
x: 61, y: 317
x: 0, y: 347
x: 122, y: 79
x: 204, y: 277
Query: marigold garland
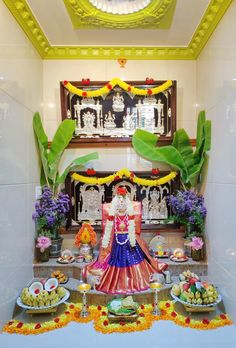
x: 114, y: 82
x: 98, y: 314
x: 124, y: 173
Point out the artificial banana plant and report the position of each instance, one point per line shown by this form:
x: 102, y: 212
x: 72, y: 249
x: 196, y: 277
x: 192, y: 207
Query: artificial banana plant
x: 51, y: 157
x: 180, y: 155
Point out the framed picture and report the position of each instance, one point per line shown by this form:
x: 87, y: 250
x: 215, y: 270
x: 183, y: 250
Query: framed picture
x: 87, y: 200
x: 113, y: 116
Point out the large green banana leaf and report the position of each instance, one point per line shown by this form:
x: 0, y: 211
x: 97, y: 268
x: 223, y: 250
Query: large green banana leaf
x: 182, y: 143
x: 74, y: 165
x: 39, y: 131
x: 60, y: 141
x: 42, y: 141
x: 144, y: 144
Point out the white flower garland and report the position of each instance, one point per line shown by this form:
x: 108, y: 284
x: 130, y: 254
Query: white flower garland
x: 109, y: 223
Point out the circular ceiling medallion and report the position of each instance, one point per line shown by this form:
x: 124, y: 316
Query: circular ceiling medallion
x: 120, y: 6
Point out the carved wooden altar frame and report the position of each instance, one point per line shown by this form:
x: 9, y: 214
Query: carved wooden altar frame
x: 162, y: 227
x: 67, y: 103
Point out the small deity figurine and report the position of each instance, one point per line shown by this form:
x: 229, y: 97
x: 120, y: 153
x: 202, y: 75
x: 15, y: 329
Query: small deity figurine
x: 124, y: 263
x: 118, y: 103
x: 109, y: 120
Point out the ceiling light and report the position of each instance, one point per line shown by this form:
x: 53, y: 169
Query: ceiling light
x: 120, y: 6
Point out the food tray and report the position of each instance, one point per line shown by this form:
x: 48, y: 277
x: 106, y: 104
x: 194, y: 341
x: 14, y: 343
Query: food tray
x: 22, y: 305
x: 176, y: 298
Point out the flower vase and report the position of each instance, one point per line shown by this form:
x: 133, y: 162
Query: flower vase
x: 44, y: 256
x: 55, y: 248
x: 197, y: 255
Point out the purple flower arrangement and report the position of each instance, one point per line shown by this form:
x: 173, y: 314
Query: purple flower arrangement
x: 188, y: 209
x: 50, y: 212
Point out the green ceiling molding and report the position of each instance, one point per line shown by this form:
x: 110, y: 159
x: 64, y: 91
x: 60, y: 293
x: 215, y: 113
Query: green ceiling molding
x: 28, y: 23
x: 25, y: 18
x: 158, y: 14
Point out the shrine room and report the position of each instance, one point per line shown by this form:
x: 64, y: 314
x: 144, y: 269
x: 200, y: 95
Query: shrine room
x: 117, y: 185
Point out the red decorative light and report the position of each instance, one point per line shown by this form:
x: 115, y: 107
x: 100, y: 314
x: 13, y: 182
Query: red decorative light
x: 85, y: 82
x: 149, y: 81
x: 90, y: 171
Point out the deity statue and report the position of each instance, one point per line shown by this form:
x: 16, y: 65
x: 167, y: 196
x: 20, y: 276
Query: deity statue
x: 154, y: 204
x: 124, y: 264
x: 109, y: 120
x: 118, y: 103
x: 89, y: 121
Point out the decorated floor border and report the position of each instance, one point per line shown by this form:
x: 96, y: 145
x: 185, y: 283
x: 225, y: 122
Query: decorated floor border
x: 98, y: 314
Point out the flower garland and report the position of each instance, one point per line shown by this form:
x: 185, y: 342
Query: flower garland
x: 110, y: 85
x: 110, y: 222
x: 126, y: 173
x: 101, y: 323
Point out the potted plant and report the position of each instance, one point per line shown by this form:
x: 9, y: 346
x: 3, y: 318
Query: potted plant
x: 188, y: 209
x: 50, y: 215
x: 197, y: 248
x: 43, y: 244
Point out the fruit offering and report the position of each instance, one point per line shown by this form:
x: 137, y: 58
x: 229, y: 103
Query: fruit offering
x: 44, y: 298
x: 195, y: 292
x: 61, y: 277
x: 186, y: 275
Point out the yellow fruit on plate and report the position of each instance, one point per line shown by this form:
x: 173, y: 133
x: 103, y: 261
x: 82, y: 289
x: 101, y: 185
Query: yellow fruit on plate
x: 176, y: 290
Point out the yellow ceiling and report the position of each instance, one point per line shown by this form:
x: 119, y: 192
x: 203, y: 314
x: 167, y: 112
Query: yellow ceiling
x: 75, y: 29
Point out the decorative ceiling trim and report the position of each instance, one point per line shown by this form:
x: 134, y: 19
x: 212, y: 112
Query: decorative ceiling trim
x: 86, y: 16
x: 25, y: 18
x: 23, y: 15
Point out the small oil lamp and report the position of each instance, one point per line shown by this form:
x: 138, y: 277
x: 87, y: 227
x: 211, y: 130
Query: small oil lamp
x: 155, y: 287
x: 160, y: 251
x: 178, y: 253
x: 84, y: 288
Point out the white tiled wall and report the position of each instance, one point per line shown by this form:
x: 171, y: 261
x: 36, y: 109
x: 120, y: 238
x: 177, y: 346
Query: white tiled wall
x: 21, y: 95
x: 216, y: 93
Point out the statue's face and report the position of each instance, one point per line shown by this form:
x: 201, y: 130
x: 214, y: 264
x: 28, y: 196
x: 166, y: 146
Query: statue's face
x: 121, y: 204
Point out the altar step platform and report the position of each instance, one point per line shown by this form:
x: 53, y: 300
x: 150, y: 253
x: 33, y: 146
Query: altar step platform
x: 74, y: 272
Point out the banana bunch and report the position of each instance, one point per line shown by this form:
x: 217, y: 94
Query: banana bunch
x: 44, y: 298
